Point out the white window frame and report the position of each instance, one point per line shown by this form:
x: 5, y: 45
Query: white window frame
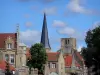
x: 53, y: 65
x: 9, y: 45
x: 12, y: 57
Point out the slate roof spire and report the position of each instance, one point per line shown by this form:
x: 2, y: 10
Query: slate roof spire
x: 44, y: 35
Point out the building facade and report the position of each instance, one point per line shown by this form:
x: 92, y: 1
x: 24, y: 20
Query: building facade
x: 12, y: 51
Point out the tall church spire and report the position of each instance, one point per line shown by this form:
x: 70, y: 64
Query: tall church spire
x: 44, y: 35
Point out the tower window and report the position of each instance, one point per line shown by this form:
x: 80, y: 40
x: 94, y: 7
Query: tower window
x: 67, y: 41
x: 9, y: 45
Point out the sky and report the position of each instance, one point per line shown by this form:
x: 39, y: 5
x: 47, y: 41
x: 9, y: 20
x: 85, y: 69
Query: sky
x: 65, y: 18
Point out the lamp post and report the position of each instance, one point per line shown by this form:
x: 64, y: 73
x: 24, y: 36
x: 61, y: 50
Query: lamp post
x: 98, y: 65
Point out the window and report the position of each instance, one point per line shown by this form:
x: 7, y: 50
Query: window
x: 67, y: 41
x: 9, y: 45
x: 53, y: 65
x: 6, y: 57
x: 12, y: 59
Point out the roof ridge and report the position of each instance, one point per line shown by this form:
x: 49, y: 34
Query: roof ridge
x: 7, y: 33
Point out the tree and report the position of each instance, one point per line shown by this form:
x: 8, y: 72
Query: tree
x: 38, y: 57
x: 91, y: 53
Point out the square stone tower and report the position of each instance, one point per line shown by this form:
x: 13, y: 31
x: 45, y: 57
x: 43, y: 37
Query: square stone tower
x: 67, y: 44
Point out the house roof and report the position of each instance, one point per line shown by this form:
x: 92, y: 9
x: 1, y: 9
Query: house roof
x: 68, y: 61
x: 3, y: 37
x: 3, y: 66
x: 52, y: 56
x: 79, y: 56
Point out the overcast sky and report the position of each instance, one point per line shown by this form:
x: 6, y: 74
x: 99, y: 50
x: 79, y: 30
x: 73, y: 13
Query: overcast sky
x: 65, y: 18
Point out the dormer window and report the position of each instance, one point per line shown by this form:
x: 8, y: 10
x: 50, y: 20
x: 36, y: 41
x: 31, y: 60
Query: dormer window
x: 9, y: 45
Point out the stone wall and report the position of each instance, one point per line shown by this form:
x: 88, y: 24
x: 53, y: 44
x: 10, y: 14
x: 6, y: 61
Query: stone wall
x: 25, y: 71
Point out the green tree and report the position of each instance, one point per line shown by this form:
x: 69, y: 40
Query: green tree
x: 91, y: 53
x: 38, y: 57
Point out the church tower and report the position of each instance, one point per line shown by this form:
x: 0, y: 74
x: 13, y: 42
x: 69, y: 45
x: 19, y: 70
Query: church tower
x: 44, y: 35
x: 68, y: 44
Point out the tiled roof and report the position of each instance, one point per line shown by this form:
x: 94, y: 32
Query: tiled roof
x: 79, y: 56
x: 68, y: 60
x: 3, y: 66
x: 52, y: 56
x: 3, y: 37
x: 77, y: 64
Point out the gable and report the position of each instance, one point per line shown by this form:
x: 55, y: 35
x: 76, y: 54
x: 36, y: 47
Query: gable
x: 4, y: 36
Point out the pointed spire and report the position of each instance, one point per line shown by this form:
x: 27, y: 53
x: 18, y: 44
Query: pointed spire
x: 44, y: 35
x: 18, y: 39
x: 17, y: 30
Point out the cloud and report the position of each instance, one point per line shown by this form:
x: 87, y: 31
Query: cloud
x: 34, y: 8
x: 28, y: 24
x: 77, y: 7
x: 50, y: 10
x: 26, y: 15
x: 67, y: 31
x: 58, y: 23
x: 96, y: 24
x: 30, y: 37
x: 79, y: 35
x: 79, y: 47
